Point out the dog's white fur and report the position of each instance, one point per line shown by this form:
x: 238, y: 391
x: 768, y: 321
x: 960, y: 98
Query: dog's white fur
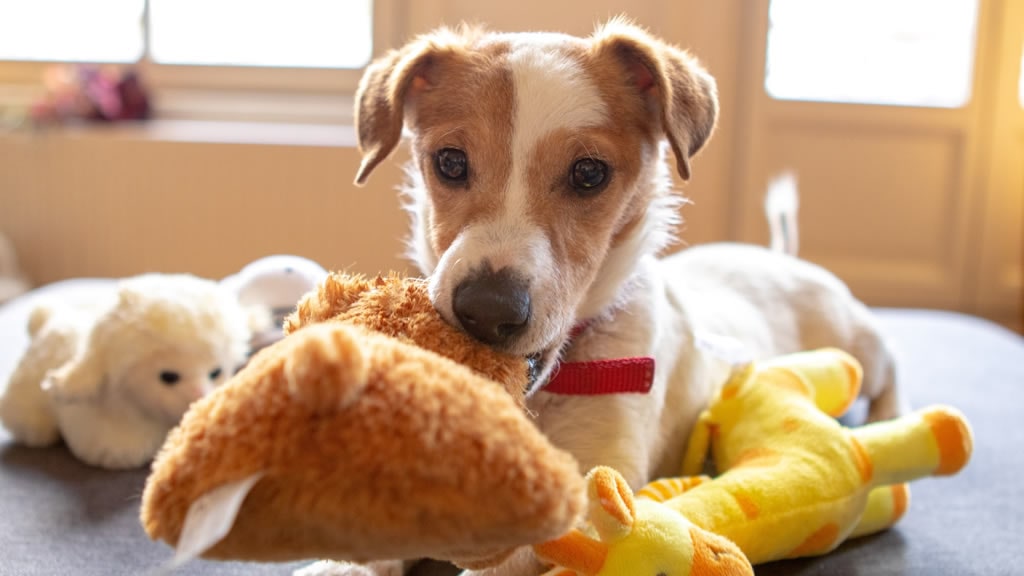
x: 633, y: 302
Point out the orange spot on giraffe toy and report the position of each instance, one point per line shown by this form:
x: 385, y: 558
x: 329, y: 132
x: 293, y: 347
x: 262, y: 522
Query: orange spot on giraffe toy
x: 823, y: 483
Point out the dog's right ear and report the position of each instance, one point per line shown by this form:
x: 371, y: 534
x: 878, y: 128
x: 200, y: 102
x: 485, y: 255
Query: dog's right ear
x: 390, y: 83
x: 380, y: 101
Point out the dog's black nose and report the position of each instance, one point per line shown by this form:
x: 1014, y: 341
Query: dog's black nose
x: 492, y: 307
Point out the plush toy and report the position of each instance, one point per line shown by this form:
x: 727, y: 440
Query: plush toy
x: 12, y: 281
x: 373, y: 430
x: 639, y: 537
x: 114, y: 376
x: 77, y: 92
x: 269, y: 288
x: 793, y: 481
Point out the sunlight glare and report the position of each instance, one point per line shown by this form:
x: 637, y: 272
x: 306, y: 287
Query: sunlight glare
x: 71, y: 30
x: 897, y: 52
x: 300, y: 33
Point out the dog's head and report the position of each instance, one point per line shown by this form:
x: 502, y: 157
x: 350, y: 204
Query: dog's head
x: 537, y: 180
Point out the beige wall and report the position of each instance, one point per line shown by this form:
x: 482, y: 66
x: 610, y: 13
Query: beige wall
x: 90, y: 202
x: 95, y: 204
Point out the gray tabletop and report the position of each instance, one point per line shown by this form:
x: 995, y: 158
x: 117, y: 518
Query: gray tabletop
x: 58, y: 516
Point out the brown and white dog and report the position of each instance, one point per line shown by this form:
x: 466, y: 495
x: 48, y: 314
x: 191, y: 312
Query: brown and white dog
x: 540, y: 194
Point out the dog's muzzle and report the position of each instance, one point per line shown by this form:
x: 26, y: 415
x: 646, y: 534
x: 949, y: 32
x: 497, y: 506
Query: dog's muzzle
x: 493, y: 307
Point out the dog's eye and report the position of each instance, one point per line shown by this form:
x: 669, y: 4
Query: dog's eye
x: 588, y: 175
x: 215, y: 373
x: 169, y: 377
x: 452, y: 165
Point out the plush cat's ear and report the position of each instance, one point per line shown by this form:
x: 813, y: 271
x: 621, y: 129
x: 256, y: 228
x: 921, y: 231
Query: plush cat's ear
x: 574, y: 554
x: 81, y: 379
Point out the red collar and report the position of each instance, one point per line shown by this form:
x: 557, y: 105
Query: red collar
x: 600, y: 377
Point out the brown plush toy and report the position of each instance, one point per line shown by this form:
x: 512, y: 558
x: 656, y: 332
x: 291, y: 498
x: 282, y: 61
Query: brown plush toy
x: 374, y: 430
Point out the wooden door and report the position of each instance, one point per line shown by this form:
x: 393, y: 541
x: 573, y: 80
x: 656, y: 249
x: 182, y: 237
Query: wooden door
x: 913, y: 204
x: 997, y: 280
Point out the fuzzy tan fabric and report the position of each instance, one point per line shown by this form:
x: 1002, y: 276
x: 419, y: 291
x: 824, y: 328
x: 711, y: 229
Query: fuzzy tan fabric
x: 401, y: 307
x: 372, y: 447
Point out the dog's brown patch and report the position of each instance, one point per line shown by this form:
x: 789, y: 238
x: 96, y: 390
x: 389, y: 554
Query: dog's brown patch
x: 469, y: 106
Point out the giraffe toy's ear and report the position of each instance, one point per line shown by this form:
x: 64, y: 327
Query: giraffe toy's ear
x: 575, y: 553
x: 612, y: 509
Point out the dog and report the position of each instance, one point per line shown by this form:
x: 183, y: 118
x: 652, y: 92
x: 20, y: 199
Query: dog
x: 540, y: 196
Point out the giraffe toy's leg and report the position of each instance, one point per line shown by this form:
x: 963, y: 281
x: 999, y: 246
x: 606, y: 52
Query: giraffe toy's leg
x: 934, y: 441
x: 668, y: 488
x: 885, y: 506
x: 832, y: 376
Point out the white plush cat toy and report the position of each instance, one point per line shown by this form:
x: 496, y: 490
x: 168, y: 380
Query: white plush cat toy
x: 113, y: 377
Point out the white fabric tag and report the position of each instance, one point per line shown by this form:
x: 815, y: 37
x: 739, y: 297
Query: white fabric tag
x: 208, y: 520
x: 725, y: 348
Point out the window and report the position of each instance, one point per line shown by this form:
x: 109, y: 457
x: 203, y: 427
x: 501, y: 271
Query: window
x: 1020, y: 79
x: 281, y: 33
x: 293, y: 33
x: 70, y: 30
x: 895, y: 52
x: 251, y: 60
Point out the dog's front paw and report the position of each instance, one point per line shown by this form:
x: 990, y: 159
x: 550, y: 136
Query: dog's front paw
x: 522, y: 562
x: 332, y: 568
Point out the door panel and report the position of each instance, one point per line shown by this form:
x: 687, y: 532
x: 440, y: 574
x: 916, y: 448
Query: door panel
x: 999, y: 284
x: 912, y: 206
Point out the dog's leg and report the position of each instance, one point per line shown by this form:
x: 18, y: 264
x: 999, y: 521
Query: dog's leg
x: 332, y: 568
x: 522, y: 562
x: 889, y: 402
x: 880, y: 387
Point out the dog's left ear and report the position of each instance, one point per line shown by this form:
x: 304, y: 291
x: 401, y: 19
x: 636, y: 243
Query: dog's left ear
x: 679, y: 92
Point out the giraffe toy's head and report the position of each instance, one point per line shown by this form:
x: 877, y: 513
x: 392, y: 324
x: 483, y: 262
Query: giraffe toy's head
x: 639, y: 538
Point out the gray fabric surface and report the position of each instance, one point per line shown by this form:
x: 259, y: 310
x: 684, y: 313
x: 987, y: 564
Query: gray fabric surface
x: 58, y: 516
x: 972, y: 523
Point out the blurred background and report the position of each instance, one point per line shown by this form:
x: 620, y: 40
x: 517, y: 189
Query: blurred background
x: 198, y: 135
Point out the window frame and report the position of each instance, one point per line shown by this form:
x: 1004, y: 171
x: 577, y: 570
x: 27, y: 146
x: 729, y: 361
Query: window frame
x: 231, y: 92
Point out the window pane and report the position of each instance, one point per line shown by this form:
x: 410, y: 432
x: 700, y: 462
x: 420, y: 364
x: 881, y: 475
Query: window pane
x: 71, y: 30
x: 1020, y: 79
x: 303, y: 33
x: 900, y: 52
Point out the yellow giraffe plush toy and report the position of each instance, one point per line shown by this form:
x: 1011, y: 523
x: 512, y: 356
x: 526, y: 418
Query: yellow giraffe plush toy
x: 793, y: 482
